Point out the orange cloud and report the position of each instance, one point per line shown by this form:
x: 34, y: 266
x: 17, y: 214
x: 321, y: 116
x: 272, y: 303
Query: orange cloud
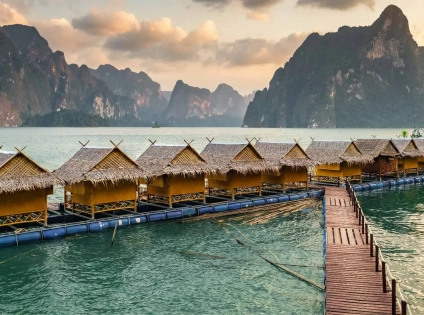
x: 163, y: 41
x: 106, y: 23
x: 9, y: 15
x: 258, y: 16
x: 62, y: 36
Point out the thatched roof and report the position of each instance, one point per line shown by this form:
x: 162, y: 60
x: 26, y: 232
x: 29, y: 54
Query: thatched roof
x: 284, y: 154
x: 336, y: 152
x: 407, y: 147
x: 99, y: 165
x: 18, y: 172
x: 378, y: 147
x: 240, y: 157
x: 419, y: 143
x: 173, y: 160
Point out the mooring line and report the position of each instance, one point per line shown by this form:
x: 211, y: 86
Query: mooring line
x: 279, y: 266
x: 2, y: 262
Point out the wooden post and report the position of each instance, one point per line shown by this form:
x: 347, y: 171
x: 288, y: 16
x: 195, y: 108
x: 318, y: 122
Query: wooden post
x: 338, y: 181
x: 376, y: 257
x: 360, y: 218
x: 92, y: 211
x: 371, y: 245
x: 403, y: 306
x: 363, y: 224
x: 366, y: 233
x: 45, y: 216
x: 393, y: 296
x: 383, y: 270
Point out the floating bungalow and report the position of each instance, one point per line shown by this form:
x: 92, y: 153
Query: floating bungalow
x: 419, y: 143
x: 24, y: 187
x: 98, y: 179
x: 291, y: 162
x: 337, y: 160
x: 408, y: 163
x: 385, y: 155
x: 238, y: 168
x: 178, y: 173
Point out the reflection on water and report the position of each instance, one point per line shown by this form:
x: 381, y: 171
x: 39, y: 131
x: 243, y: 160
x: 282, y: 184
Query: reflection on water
x: 397, y: 219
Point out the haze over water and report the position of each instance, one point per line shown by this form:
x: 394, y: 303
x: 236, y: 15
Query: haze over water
x: 165, y: 268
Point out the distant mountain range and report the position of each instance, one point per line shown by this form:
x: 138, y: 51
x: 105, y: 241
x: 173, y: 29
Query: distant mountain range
x: 38, y: 88
x: 357, y: 77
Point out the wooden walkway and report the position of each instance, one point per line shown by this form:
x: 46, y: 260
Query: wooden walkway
x: 352, y: 284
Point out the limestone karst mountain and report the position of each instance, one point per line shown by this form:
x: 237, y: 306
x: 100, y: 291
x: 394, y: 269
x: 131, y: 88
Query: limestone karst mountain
x: 357, y: 77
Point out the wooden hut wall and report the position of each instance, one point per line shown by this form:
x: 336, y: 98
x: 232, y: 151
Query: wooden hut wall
x: 287, y: 177
x: 408, y: 165
x: 235, y: 183
x: 354, y: 172
x: 89, y: 197
x: 169, y: 189
x: 382, y: 166
x: 25, y: 202
x: 334, y: 172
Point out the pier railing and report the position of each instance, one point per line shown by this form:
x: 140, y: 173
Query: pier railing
x: 389, y: 281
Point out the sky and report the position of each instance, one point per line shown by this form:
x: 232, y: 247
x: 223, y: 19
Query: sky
x: 202, y: 42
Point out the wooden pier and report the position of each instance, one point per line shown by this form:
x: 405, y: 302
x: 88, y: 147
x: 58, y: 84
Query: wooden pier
x: 357, y: 280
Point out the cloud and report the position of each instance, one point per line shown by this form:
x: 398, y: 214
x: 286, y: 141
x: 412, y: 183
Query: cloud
x: 251, y: 51
x: 259, y: 4
x: 62, y: 36
x: 249, y: 4
x: 336, y: 4
x: 258, y: 16
x: 213, y: 3
x: 161, y: 40
x: 9, y: 15
x: 26, y: 5
x: 104, y: 23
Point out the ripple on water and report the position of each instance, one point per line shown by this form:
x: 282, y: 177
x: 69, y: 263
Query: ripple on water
x: 156, y: 269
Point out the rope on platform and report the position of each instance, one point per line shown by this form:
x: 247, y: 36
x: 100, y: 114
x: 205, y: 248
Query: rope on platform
x: 279, y: 266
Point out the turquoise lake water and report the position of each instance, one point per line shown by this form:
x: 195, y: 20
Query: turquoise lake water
x: 167, y: 268
x: 397, y: 219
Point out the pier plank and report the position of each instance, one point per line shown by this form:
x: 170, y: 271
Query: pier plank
x: 352, y: 285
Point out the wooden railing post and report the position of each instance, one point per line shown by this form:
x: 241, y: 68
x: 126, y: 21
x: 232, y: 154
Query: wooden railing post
x: 363, y: 224
x: 393, y: 296
x: 383, y: 272
x: 403, y: 306
x: 376, y: 257
x: 366, y: 233
x: 371, y: 245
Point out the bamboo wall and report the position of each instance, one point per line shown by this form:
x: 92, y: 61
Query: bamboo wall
x: 22, y: 202
x: 88, y: 194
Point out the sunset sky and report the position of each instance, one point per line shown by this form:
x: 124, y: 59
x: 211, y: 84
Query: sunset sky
x: 202, y: 42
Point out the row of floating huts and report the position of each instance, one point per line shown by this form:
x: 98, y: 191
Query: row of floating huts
x: 98, y: 179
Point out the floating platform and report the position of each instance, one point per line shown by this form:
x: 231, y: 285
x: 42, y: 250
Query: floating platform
x: 388, y: 183
x: 62, y: 223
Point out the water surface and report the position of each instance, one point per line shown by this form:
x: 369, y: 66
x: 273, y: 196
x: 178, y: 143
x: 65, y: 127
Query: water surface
x: 397, y: 219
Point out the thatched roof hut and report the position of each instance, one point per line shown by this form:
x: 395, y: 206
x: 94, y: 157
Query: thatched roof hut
x: 336, y: 152
x: 18, y: 172
x: 284, y: 154
x: 419, y: 143
x: 175, y: 160
x: 407, y: 147
x: 378, y: 147
x: 240, y: 157
x: 99, y: 165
